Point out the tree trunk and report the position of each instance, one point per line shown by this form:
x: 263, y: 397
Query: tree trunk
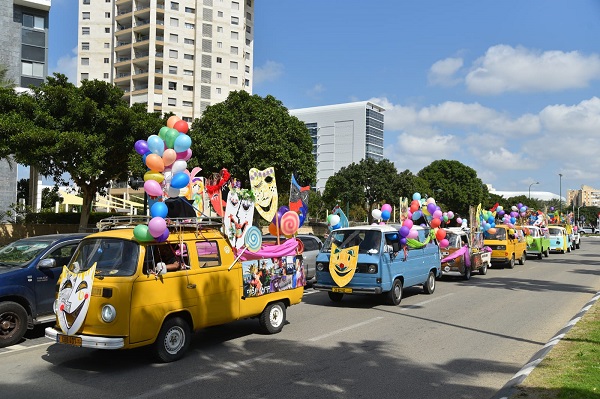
x: 86, y: 208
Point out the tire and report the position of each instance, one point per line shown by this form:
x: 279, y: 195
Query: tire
x: 546, y: 252
x: 394, y: 296
x: 13, y: 323
x: 511, y: 262
x: 466, y: 276
x: 335, y: 296
x: 522, y: 259
x: 569, y: 249
x: 429, y: 285
x: 173, y: 340
x: 539, y: 256
x: 483, y: 269
x: 272, y: 318
x: 577, y: 246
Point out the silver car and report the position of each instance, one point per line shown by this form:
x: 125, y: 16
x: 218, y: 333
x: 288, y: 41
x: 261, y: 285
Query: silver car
x: 312, y: 246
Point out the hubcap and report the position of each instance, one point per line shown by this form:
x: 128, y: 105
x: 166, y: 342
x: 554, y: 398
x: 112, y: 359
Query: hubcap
x: 174, y: 340
x: 275, y: 316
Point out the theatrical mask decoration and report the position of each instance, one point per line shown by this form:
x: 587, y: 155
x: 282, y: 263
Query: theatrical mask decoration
x: 239, y: 212
x: 75, y: 291
x: 342, y: 264
x: 264, y: 187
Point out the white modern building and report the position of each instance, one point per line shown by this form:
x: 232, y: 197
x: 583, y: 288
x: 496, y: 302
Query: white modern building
x: 176, y: 56
x: 343, y: 134
x: 24, y: 28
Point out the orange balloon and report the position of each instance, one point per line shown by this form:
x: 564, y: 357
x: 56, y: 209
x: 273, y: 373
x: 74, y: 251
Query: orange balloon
x: 155, y: 162
x: 435, y: 222
x: 181, y: 126
x: 172, y: 120
x: 273, y: 229
x: 169, y: 156
x: 440, y: 234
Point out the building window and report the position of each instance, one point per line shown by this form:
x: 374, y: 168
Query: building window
x: 106, y: 30
x: 219, y: 60
x: 172, y: 69
x: 249, y: 16
x: 190, y: 10
x: 220, y: 14
x: 174, y: 22
x: 188, y: 57
x: 105, y: 76
x: 218, y: 89
x: 219, y: 44
x: 174, y: 6
x: 173, y: 38
x: 173, y: 54
x: 234, y: 50
x: 248, y: 29
x: 85, y: 15
x: 33, y: 69
x: 247, y: 69
x: 233, y: 80
x: 188, y: 88
x: 188, y: 72
x: 85, y: 45
x: 106, y: 45
x: 233, y: 65
x: 188, y: 41
x: 248, y: 41
x: 190, y: 26
x: 247, y: 82
x: 186, y: 119
x: 235, y: 5
x: 30, y: 21
x: 85, y: 30
x: 172, y: 101
x: 247, y: 56
x: 219, y: 29
x: 106, y: 15
x: 235, y: 35
x: 86, y: 1
x: 85, y: 61
x: 85, y: 76
x: 172, y: 85
x: 235, y: 21
x: 219, y: 75
x: 106, y: 60
x: 187, y: 103
x: 249, y: 3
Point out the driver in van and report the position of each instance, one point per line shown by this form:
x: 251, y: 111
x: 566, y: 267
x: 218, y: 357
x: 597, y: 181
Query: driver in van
x: 165, y: 254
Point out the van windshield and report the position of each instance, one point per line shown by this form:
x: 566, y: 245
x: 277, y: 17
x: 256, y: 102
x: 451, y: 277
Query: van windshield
x: 113, y: 257
x: 499, y: 234
x: 368, y: 241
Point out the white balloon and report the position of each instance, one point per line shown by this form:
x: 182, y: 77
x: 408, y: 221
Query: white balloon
x: 179, y: 166
x: 376, y: 213
x: 334, y: 219
x: 173, y: 192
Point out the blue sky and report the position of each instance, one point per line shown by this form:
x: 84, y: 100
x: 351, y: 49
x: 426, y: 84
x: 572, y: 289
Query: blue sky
x: 510, y: 88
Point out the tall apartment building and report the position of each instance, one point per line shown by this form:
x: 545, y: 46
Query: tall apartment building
x: 343, y: 134
x: 176, y: 56
x: 24, y: 52
x: 585, y: 196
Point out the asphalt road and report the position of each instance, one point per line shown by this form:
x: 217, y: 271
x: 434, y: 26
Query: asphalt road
x: 464, y: 341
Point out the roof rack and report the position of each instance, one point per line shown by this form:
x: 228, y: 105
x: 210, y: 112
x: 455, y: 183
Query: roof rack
x: 122, y: 222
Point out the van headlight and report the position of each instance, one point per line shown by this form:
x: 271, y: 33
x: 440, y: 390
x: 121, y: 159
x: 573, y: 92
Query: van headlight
x: 320, y: 266
x: 372, y: 269
x: 108, y: 313
x: 55, y: 307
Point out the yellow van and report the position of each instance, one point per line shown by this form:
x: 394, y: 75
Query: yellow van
x: 508, y: 245
x: 119, y: 292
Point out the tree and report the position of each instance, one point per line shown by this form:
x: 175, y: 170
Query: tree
x: 4, y: 80
x: 50, y: 197
x: 456, y: 185
x: 87, y: 132
x: 248, y: 131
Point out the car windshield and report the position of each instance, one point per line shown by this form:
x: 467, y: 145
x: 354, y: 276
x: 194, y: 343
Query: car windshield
x: 555, y: 231
x: 21, y: 252
x: 113, y: 257
x: 455, y: 240
x: 499, y: 234
x: 534, y: 232
x: 368, y: 241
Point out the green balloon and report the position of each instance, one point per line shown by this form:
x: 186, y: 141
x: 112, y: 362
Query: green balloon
x: 163, y: 131
x: 142, y: 233
x: 170, y: 137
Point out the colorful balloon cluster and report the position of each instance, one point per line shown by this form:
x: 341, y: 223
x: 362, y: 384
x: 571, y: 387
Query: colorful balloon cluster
x: 165, y: 155
x: 432, y: 213
x: 333, y: 221
x: 382, y: 214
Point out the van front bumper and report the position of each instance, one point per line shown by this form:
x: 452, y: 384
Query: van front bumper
x: 88, y: 341
x: 344, y: 290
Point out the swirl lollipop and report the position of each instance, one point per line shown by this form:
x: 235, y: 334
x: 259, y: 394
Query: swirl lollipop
x: 253, y: 239
x: 290, y: 222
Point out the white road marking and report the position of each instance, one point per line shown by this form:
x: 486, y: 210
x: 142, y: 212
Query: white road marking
x: 417, y: 305
x: 341, y: 330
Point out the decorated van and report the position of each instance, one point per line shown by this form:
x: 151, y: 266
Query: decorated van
x: 120, y: 292
x: 508, y: 245
x: 560, y: 240
x: 465, y: 253
x: 369, y: 260
x: 538, y: 240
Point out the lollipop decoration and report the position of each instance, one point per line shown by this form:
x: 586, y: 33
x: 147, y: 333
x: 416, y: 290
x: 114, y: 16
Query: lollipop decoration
x: 290, y: 222
x: 252, y: 242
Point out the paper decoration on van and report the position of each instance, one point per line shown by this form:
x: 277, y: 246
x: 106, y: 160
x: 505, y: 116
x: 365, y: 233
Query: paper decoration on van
x: 264, y: 187
x: 342, y: 264
x: 239, y: 212
x: 75, y: 290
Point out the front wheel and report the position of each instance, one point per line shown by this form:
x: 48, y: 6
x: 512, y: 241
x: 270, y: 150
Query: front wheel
x: 13, y: 323
x: 511, y: 262
x: 522, y: 259
x: 483, y: 269
x: 546, y: 252
x: 272, y: 318
x: 173, y: 340
x: 429, y: 285
x: 467, y: 275
x: 394, y: 296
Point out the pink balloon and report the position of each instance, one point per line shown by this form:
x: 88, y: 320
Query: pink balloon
x: 185, y: 155
x: 153, y: 188
x: 444, y: 243
x: 169, y: 156
x: 157, y: 226
x: 408, y: 223
x: 386, y: 207
x: 413, y: 233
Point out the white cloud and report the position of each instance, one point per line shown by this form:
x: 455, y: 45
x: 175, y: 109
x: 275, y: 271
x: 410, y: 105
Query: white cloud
x: 502, y: 159
x: 582, y: 119
x: 270, y: 71
x: 315, y: 90
x: 67, y: 65
x: 442, y: 73
x: 517, y: 69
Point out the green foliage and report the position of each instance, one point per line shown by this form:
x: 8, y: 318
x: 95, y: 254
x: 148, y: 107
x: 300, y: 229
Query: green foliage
x: 50, y: 197
x: 248, y: 131
x: 460, y: 187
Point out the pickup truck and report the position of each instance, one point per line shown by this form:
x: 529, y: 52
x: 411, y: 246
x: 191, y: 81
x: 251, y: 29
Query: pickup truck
x: 465, y: 253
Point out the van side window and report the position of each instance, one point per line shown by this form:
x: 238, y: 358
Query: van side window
x: 208, y: 253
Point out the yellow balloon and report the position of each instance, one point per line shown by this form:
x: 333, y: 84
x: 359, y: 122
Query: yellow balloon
x: 153, y: 175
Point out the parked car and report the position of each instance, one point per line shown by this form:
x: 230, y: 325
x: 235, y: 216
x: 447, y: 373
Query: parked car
x: 312, y: 246
x: 587, y: 230
x: 29, y: 271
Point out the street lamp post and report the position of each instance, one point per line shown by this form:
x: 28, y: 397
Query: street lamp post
x: 537, y: 182
x: 560, y: 195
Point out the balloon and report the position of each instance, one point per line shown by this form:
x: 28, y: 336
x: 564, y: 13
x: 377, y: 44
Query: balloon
x: 376, y: 213
x: 153, y: 175
x: 178, y: 166
x: 156, y: 145
x: 170, y: 137
x: 435, y: 222
x: 416, y: 196
x: 273, y: 229
x: 335, y: 219
x: 386, y: 207
x: 413, y: 233
x: 402, y: 240
x: 337, y: 226
x: 408, y: 223
x: 181, y: 126
x: 385, y: 215
x: 440, y: 234
x: 404, y: 230
x: 141, y: 147
x: 169, y: 156
x: 182, y: 142
x: 414, y: 205
x: 157, y: 226
x: 163, y: 237
x: 450, y: 214
x: 173, y: 192
x: 437, y: 214
x: 430, y: 200
x: 180, y: 180
x: 431, y: 207
x: 185, y: 155
x: 159, y: 209
x: 491, y: 230
x: 154, y: 162
x: 444, y: 243
x: 172, y: 120
x: 153, y: 188
x: 163, y: 130
x: 459, y: 220
x: 290, y: 222
x: 417, y: 215
x: 141, y: 233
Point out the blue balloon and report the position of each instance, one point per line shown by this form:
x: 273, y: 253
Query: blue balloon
x: 159, y: 209
x: 182, y: 143
x: 180, y: 180
x: 385, y: 215
x: 156, y: 145
x: 417, y: 196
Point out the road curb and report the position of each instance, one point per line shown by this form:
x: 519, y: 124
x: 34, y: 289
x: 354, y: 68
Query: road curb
x: 510, y: 387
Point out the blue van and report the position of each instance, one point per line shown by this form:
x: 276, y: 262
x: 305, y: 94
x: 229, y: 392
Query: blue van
x: 382, y: 267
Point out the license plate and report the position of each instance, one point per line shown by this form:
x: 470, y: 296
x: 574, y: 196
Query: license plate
x: 69, y: 340
x: 342, y: 289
